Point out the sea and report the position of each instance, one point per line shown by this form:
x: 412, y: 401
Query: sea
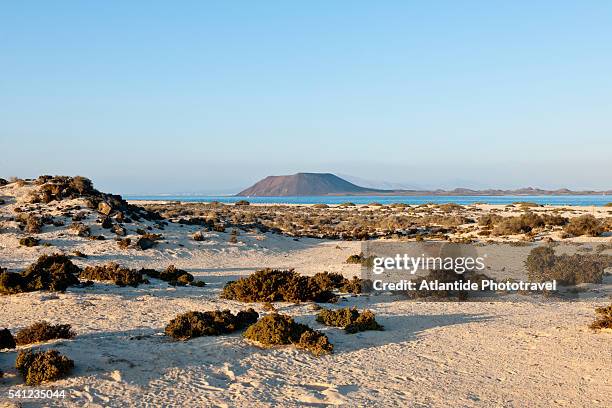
x: 581, y: 200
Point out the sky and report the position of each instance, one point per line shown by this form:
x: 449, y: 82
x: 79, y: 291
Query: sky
x: 148, y: 97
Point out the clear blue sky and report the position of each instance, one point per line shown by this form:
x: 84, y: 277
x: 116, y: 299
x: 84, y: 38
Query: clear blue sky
x: 157, y: 96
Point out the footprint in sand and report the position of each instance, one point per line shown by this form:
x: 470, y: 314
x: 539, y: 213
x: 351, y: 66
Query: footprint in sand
x: 330, y: 394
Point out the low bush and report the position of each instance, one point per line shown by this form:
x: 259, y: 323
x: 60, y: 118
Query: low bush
x: 40, y: 366
x: 584, y: 225
x: 29, y: 241
x: 80, y: 229
x: 7, y: 341
x: 198, y: 236
x: 171, y: 275
x: 213, y: 323
x: 276, y: 329
x: 544, y: 265
x: 271, y: 285
x: 350, y: 319
x: 124, y: 243
x: 43, y: 331
x: 113, y: 272
x: 354, y: 259
x: 518, y: 225
x: 603, y: 319
x: 50, y: 272
x: 242, y: 203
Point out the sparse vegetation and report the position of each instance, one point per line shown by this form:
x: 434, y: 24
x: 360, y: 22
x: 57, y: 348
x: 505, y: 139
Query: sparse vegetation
x: 29, y: 242
x: 37, y: 367
x: 603, y: 319
x: 172, y: 275
x: 113, y: 272
x: 50, y: 272
x: 585, y: 225
x: 350, y: 319
x: 213, y: 323
x: 43, y: 331
x: 271, y: 285
x: 276, y: 329
x: 544, y: 265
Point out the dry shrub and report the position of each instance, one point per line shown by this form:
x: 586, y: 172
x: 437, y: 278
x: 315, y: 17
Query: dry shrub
x: 113, y: 272
x: 80, y: 229
x: 354, y: 259
x: 43, y: 331
x: 124, y: 243
x: 518, y: 225
x: 489, y: 220
x: 171, y: 275
x: 603, y: 319
x: 29, y: 242
x: 198, y: 236
x: 584, y: 225
x: 213, y: 323
x: 145, y: 243
x: 271, y: 285
x: 50, y: 272
x: 7, y: 341
x: 40, y: 366
x: 276, y: 329
x: 543, y: 265
x: 350, y: 319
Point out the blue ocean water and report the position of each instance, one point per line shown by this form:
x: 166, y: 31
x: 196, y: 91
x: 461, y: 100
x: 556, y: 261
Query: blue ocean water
x: 584, y: 200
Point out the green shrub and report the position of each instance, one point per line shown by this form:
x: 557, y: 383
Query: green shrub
x: 350, y: 319
x: 584, y: 225
x: 270, y: 285
x: 113, y: 272
x: 40, y: 366
x: 543, y: 265
x: 43, y: 331
x: 603, y: 319
x: 195, y: 324
x: 7, y: 341
x: 276, y: 329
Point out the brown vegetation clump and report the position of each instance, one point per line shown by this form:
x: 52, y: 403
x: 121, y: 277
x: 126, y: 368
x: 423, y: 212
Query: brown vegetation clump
x: 40, y: 366
x: 29, y: 242
x: 544, y: 265
x: 171, y: 275
x: 7, y: 341
x: 584, y: 225
x: 50, y: 272
x: 80, y: 229
x: 271, y: 285
x: 124, y: 243
x: 603, y: 319
x: 350, y: 319
x: 43, y: 331
x: 198, y: 236
x: 113, y: 272
x: 276, y: 329
x: 213, y: 323
x: 354, y: 259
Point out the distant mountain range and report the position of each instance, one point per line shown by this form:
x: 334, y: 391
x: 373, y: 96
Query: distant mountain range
x: 322, y: 184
